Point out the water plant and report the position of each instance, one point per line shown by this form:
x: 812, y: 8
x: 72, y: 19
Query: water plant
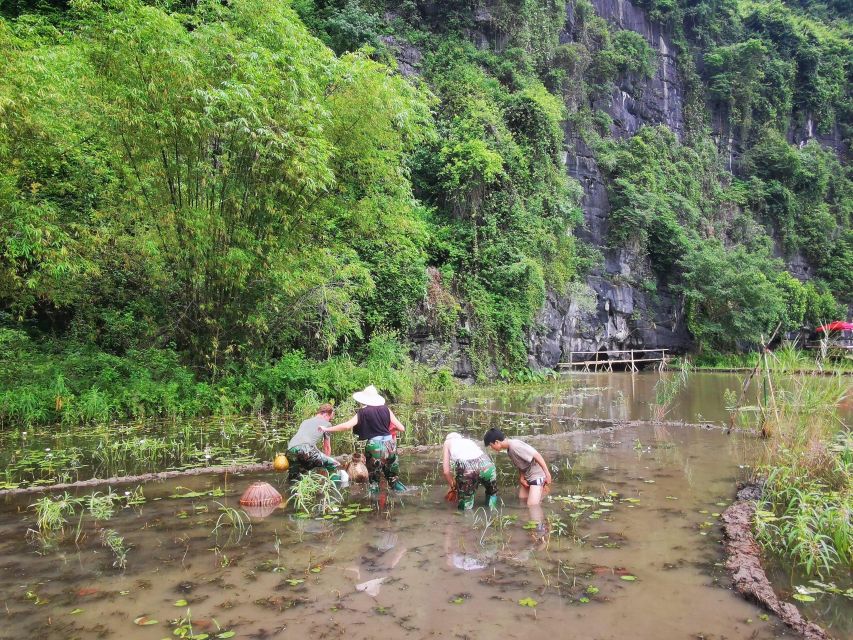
x: 315, y: 494
x: 101, y: 505
x: 115, y: 543
x: 52, y: 513
x: 235, y: 521
x: 667, y: 389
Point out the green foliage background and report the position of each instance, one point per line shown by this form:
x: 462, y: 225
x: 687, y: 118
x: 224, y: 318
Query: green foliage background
x: 213, y: 207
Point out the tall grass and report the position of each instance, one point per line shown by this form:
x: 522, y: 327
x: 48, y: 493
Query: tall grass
x: 807, y: 466
x: 49, y: 382
x: 667, y: 389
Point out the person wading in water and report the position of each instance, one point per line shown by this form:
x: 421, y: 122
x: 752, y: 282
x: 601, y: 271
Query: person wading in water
x: 302, y: 452
x: 373, y: 422
x: 465, y: 466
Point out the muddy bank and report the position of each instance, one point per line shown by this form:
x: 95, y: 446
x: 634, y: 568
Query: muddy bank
x: 744, y: 564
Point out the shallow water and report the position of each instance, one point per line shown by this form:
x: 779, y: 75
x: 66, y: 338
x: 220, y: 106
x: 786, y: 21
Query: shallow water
x: 623, y: 396
x: 640, y: 501
x: 439, y: 573
x: 58, y: 453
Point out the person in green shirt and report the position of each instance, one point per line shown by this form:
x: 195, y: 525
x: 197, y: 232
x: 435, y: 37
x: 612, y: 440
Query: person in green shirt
x: 302, y: 452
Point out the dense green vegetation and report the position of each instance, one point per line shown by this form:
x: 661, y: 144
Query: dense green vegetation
x: 807, y: 471
x: 214, y: 207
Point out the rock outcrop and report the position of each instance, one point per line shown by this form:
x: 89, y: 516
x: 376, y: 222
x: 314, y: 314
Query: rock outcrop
x: 625, y: 316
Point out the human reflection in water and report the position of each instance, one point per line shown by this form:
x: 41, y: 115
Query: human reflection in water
x: 384, y: 554
x: 465, y: 556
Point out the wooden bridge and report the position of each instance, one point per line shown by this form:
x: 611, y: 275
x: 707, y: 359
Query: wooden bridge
x: 629, y: 358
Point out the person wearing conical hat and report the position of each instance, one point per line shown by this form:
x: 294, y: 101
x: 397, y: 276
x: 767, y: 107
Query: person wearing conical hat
x: 373, y: 423
x: 465, y: 466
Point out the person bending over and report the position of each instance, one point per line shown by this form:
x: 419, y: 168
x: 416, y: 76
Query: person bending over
x: 465, y: 466
x: 533, y: 473
x: 302, y: 452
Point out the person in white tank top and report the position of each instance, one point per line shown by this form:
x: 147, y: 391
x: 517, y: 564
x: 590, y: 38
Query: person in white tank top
x: 465, y: 466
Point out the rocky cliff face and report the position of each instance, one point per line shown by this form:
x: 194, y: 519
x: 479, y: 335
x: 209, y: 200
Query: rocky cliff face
x: 624, y: 317
x: 615, y: 312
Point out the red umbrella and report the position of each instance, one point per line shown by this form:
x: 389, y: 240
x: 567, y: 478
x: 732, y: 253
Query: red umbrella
x: 838, y: 325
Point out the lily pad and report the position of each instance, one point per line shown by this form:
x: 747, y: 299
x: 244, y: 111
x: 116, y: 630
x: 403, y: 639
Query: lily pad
x: 74, y: 612
x: 802, y: 597
x: 181, y: 603
x: 226, y: 634
x: 144, y: 621
x: 628, y: 578
x: 528, y: 602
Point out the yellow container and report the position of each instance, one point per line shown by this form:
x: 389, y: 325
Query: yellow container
x: 280, y: 462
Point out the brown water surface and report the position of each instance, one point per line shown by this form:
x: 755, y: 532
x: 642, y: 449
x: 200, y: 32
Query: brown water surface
x: 645, y: 505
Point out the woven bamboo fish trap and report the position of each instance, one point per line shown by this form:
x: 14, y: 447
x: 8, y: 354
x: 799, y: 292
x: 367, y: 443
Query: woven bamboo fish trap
x: 261, y: 494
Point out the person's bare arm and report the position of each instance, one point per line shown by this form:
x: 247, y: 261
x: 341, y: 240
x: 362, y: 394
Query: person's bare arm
x: 537, y: 457
x: 522, y: 480
x: 445, y: 465
x: 397, y: 424
x: 327, y: 444
x: 344, y: 426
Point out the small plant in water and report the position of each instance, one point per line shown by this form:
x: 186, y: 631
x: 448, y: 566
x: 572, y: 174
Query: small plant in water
x: 115, y: 543
x: 100, y: 505
x: 52, y: 514
x: 316, y: 494
x: 667, y: 390
x: 236, y: 521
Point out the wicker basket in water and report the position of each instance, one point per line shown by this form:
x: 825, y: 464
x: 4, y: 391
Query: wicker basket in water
x: 261, y: 494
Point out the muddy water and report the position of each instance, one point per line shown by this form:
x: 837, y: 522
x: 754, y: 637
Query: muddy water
x: 623, y: 396
x: 637, y: 503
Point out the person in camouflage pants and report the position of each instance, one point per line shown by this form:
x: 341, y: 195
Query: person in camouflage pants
x: 375, y: 424
x: 302, y: 452
x: 381, y: 459
x: 465, y: 467
x: 470, y: 474
x: 305, y: 457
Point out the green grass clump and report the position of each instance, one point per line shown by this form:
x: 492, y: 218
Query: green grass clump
x: 808, y: 507
x: 315, y: 494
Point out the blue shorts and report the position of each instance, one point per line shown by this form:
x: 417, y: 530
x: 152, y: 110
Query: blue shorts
x: 537, y: 482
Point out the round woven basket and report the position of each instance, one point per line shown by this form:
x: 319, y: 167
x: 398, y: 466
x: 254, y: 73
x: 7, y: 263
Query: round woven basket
x: 260, y: 494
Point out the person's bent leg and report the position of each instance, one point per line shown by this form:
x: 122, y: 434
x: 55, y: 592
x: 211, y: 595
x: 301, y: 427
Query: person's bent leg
x: 296, y: 462
x: 391, y: 467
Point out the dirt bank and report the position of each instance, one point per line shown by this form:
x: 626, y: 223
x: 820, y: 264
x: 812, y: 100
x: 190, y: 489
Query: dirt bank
x: 744, y: 564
